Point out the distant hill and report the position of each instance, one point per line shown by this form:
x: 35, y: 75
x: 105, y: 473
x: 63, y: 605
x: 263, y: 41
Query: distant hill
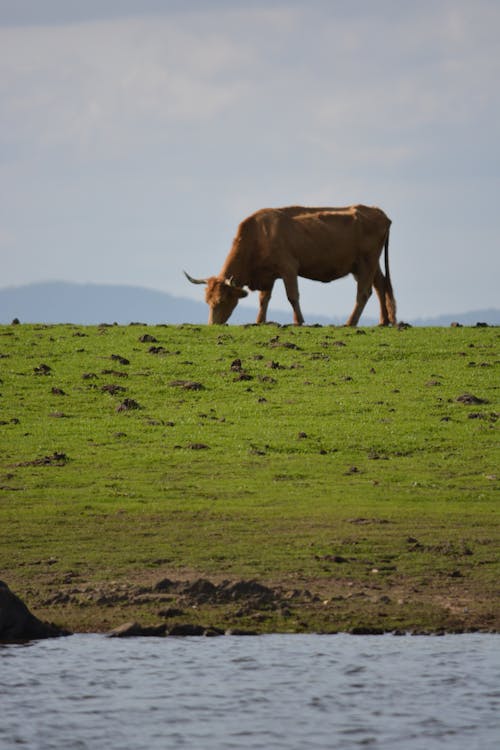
x: 91, y: 304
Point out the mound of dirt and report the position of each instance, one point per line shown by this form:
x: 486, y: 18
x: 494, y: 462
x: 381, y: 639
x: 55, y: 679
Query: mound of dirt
x: 56, y: 459
x: 203, y: 591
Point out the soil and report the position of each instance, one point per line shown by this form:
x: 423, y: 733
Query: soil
x: 332, y: 604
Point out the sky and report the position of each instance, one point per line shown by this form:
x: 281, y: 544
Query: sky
x: 135, y: 135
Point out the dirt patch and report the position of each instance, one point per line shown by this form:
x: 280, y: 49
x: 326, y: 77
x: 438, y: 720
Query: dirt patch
x: 115, y: 373
x: 179, y: 594
x: 56, y: 459
x: 329, y: 603
x: 112, y: 389
x: 147, y: 338
x: 42, y: 369
x: 120, y: 359
x: 202, y: 591
x: 187, y: 385
x: 128, y: 405
x: 470, y: 399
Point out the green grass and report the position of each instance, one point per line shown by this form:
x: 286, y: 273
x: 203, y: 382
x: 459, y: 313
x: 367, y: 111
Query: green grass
x: 342, y: 443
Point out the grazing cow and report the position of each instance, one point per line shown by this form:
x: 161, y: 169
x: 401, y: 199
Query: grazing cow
x: 322, y: 244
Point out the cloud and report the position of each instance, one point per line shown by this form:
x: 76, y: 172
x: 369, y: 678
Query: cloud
x: 365, y: 87
x: 99, y: 85
x: 161, y: 124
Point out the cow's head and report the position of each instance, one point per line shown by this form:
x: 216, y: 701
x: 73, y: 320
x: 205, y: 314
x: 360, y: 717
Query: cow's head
x: 221, y: 295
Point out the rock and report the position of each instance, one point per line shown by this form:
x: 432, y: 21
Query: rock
x: 134, y: 629
x: 213, y: 632
x: 240, y: 631
x: 362, y: 630
x: 17, y: 623
x: 187, y: 629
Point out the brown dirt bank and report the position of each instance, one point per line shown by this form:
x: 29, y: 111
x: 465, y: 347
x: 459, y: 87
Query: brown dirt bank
x: 449, y: 603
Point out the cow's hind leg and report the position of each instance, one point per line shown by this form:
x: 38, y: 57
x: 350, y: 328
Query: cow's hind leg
x: 381, y: 288
x: 264, y: 298
x: 363, y: 294
x: 292, y: 292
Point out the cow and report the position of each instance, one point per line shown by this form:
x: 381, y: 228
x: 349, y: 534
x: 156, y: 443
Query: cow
x: 322, y: 244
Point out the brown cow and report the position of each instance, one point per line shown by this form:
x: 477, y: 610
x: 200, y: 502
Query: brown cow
x: 322, y: 244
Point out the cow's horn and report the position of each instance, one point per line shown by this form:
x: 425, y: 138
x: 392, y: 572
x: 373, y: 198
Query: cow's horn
x: 194, y: 281
x: 230, y: 281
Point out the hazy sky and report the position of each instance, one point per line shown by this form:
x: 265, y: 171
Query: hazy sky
x: 136, y: 134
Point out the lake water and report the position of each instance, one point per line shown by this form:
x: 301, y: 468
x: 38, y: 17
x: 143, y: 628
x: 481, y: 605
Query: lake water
x: 278, y: 691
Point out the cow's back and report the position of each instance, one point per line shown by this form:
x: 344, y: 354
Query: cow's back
x: 321, y: 242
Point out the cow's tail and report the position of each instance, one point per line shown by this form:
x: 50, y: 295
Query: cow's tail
x: 390, y: 300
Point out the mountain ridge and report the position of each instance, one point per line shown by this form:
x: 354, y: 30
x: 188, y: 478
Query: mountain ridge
x: 91, y: 304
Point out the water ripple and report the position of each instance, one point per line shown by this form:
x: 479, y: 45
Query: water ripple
x: 270, y: 692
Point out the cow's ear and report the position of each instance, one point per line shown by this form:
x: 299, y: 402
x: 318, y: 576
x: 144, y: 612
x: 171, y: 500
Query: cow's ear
x: 242, y: 293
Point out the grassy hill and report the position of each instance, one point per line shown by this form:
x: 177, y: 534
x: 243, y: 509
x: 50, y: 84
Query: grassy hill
x: 267, y: 478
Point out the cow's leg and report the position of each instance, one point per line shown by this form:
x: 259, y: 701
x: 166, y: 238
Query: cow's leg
x: 264, y: 298
x: 363, y: 294
x: 292, y: 292
x: 380, y: 288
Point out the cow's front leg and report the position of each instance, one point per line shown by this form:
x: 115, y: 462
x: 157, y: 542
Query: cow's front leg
x: 264, y: 297
x: 292, y: 292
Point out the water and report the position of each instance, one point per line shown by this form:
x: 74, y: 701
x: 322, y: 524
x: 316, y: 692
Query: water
x: 279, y: 691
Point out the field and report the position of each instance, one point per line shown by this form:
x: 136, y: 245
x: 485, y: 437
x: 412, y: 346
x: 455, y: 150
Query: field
x: 262, y: 478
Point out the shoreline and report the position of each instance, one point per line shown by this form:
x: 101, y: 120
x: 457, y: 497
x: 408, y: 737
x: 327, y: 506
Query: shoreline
x: 190, y: 605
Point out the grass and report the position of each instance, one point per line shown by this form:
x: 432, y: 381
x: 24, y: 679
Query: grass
x: 333, y: 463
